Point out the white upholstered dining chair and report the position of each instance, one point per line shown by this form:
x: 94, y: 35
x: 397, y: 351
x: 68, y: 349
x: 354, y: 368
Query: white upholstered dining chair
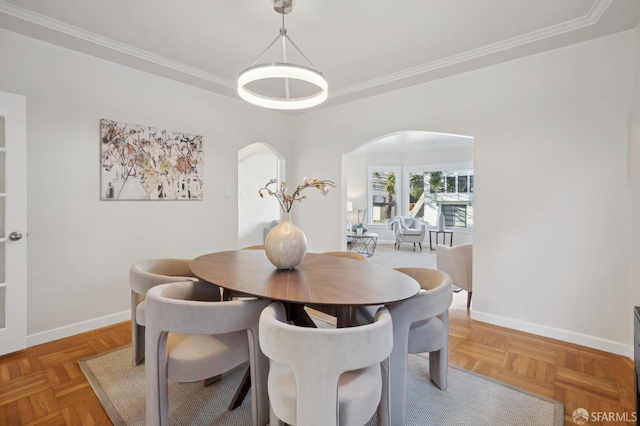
x: 420, y: 324
x: 457, y: 262
x: 143, y: 276
x: 324, y: 376
x: 191, y: 336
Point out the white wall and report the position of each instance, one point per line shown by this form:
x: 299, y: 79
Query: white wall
x: 634, y: 177
x: 552, y: 131
x: 254, y: 213
x: 356, y: 165
x: 557, y: 120
x: 80, y: 248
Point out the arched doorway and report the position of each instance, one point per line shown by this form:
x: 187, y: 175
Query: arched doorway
x: 257, y: 163
x: 390, y: 175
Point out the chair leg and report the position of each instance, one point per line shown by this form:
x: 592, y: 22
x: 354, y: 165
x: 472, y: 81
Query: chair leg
x: 469, y: 293
x: 137, y: 343
x: 137, y: 332
x: 438, y: 368
x: 156, y: 386
x: 385, y: 399
x: 211, y: 380
x: 226, y: 294
x: 414, y: 246
x: 420, y: 244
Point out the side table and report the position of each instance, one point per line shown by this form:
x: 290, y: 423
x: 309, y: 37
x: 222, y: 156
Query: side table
x: 363, y: 244
x: 444, y: 237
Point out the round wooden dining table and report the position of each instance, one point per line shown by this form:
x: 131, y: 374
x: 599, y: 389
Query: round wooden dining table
x: 319, y: 279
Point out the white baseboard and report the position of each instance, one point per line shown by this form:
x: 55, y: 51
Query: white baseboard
x: 73, y: 329
x: 556, y: 333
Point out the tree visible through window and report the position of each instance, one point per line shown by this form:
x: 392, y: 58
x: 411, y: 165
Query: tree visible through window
x: 383, y: 194
x: 451, y: 192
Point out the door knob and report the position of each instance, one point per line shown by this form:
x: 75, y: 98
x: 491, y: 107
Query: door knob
x: 15, y: 236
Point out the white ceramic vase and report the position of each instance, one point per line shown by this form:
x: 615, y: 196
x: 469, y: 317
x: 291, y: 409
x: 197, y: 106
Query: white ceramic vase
x: 285, y: 244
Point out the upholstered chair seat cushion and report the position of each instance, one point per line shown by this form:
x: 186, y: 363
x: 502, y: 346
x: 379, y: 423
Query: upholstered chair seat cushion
x: 427, y: 336
x: 359, y: 389
x: 190, y: 354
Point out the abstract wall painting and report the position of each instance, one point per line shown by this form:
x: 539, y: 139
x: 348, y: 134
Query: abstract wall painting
x: 145, y: 163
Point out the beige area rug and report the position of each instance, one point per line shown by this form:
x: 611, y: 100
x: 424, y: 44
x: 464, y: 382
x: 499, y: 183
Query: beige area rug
x: 469, y: 399
x: 386, y: 255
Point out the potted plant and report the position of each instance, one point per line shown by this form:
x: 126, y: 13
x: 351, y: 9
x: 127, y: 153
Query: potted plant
x: 360, y: 226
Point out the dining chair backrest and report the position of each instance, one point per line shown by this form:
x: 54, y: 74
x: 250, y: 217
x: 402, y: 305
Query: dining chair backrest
x: 147, y: 274
x: 319, y: 356
x: 231, y: 328
x: 143, y: 276
x: 434, y: 298
x: 347, y: 254
x: 187, y: 307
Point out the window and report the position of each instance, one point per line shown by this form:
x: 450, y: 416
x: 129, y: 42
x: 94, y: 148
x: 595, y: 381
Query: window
x: 462, y: 184
x: 455, y: 215
x: 451, y: 183
x: 428, y: 191
x: 383, y: 194
x: 418, y: 181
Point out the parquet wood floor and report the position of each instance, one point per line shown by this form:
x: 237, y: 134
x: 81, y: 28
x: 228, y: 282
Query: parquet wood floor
x: 43, y: 385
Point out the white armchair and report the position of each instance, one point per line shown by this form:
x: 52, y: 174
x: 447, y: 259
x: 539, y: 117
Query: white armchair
x: 408, y: 230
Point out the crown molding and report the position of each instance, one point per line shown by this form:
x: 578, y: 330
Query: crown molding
x: 79, y: 33
x: 590, y: 18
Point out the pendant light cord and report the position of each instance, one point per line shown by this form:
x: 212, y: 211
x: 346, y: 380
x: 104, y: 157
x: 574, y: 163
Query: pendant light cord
x: 284, y: 35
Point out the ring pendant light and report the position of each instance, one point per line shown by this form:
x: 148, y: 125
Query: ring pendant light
x: 283, y: 70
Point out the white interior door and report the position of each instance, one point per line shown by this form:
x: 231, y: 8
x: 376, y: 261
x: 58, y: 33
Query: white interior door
x: 13, y: 223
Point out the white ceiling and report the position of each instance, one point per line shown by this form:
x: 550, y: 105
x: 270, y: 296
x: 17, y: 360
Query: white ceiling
x: 363, y: 47
x: 414, y: 141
